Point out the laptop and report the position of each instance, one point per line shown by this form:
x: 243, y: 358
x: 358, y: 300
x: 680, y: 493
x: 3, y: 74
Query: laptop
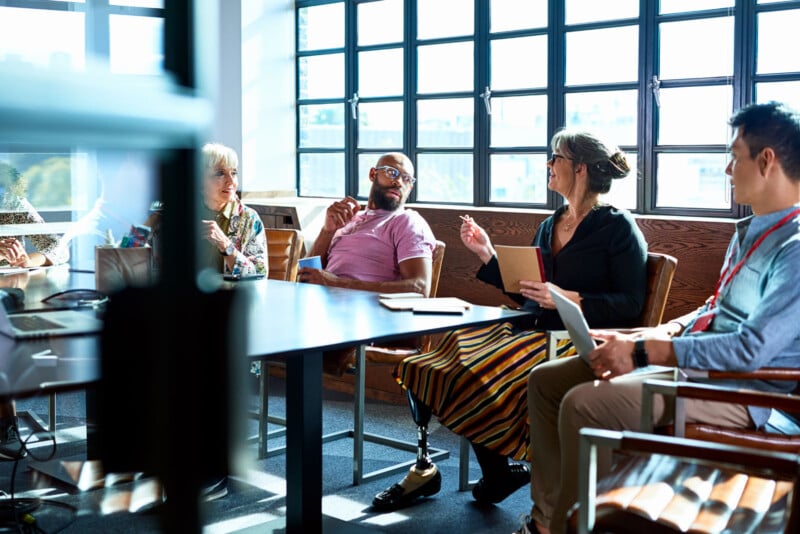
x: 47, y: 323
x: 575, y: 323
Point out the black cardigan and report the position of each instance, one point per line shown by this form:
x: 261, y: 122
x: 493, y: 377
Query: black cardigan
x: 605, y: 261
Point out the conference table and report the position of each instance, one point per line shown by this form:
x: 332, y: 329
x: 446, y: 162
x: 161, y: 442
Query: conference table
x: 47, y: 365
x: 299, y: 322
x: 292, y: 320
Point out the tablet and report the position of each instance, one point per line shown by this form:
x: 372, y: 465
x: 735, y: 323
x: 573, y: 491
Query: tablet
x: 575, y: 323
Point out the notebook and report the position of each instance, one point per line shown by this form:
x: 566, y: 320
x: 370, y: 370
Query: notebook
x: 46, y: 323
x: 575, y: 323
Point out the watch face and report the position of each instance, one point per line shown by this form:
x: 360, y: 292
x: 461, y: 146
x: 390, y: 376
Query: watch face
x: 229, y: 250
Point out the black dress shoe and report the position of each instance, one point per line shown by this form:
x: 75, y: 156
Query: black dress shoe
x: 496, y: 489
x: 395, y: 498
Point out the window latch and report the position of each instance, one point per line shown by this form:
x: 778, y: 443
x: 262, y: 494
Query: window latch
x: 486, y: 95
x: 655, y: 86
x: 354, y: 106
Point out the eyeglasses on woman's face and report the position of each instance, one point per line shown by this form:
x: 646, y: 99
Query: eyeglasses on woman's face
x: 555, y: 157
x: 394, y: 175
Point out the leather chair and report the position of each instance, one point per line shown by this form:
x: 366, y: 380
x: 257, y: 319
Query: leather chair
x: 368, y: 356
x: 660, y: 272
x: 765, y: 462
x: 284, y: 248
x: 666, y: 484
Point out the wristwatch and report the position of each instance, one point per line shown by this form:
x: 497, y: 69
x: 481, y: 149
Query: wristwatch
x: 640, y: 358
x: 228, y: 250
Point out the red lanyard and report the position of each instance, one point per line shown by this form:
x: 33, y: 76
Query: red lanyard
x: 723, y: 280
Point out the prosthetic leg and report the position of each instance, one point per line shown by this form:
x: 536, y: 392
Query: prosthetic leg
x: 422, y: 417
x: 424, y: 478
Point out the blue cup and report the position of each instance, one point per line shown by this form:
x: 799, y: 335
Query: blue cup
x: 315, y: 262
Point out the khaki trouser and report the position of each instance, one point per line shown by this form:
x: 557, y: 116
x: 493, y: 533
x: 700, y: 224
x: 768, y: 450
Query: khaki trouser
x: 563, y: 397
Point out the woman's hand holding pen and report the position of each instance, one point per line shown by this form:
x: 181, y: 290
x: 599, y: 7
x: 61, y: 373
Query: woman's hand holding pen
x: 476, y: 239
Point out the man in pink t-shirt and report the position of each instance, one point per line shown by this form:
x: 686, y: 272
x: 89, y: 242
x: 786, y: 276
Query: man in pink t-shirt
x: 385, y: 248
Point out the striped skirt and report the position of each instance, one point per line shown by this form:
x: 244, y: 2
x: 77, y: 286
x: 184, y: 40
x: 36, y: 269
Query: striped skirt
x: 476, y: 383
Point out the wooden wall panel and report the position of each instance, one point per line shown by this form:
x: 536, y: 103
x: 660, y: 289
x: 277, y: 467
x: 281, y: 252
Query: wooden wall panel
x: 698, y: 244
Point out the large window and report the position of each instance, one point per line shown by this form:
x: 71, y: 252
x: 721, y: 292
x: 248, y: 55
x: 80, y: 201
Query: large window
x: 473, y: 99
x: 83, y: 191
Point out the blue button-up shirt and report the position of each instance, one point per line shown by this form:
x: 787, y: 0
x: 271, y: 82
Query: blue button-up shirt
x: 756, y: 323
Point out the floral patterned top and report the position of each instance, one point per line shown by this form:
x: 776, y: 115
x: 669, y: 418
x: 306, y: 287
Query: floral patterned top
x: 18, y: 210
x: 244, y: 228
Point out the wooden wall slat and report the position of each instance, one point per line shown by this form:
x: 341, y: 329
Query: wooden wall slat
x: 699, y: 246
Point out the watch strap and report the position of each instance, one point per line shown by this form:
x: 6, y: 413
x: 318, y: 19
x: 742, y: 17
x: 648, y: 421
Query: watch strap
x: 640, y: 358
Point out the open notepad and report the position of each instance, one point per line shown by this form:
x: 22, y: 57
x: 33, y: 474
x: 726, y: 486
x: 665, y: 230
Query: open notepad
x: 449, y: 305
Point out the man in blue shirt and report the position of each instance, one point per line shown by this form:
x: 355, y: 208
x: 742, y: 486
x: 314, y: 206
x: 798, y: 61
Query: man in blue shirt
x: 750, y: 321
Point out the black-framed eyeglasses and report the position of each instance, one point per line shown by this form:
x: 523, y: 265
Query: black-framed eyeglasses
x: 555, y: 156
x: 394, y: 174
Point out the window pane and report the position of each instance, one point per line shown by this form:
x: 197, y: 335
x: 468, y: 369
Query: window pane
x: 787, y: 92
x: 579, y: 11
x: 445, y: 123
x: 436, y: 68
x: 507, y: 73
x: 509, y: 15
x: 366, y: 161
x: 695, y: 115
x: 444, y: 178
x: 137, y: 44
x: 322, y: 175
x: 681, y: 6
x: 320, y: 27
x: 380, y: 73
x: 26, y: 36
x: 380, y: 22
x: 519, y: 178
x: 322, y: 126
x: 623, y: 190
x: 380, y: 125
x: 692, y: 181
x: 435, y: 18
x: 603, y: 56
x: 609, y: 114
x: 773, y: 29
x: 519, y: 121
x: 682, y: 58
x: 321, y: 76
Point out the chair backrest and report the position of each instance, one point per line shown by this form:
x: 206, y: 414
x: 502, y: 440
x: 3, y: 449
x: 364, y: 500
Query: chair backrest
x: 284, y: 246
x: 436, y: 267
x: 660, y: 271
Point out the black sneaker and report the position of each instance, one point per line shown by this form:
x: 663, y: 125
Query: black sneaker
x: 216, y: 489
x: 11, y: 447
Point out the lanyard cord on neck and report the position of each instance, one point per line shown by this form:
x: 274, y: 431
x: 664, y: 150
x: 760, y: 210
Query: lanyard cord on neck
x: 726, y: 277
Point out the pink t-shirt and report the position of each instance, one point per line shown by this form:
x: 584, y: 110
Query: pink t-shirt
x: 371, y: 246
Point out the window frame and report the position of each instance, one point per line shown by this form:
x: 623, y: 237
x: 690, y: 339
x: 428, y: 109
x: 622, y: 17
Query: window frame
x: 742, y: 83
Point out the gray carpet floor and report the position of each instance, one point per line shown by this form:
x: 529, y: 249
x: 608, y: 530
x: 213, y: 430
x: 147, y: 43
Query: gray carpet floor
x: 257, y: 491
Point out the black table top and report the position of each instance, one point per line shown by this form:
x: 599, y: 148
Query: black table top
x: 289, y: 318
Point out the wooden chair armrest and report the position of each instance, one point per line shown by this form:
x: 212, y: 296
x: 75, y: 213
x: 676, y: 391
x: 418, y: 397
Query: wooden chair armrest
x: 682, y: 390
